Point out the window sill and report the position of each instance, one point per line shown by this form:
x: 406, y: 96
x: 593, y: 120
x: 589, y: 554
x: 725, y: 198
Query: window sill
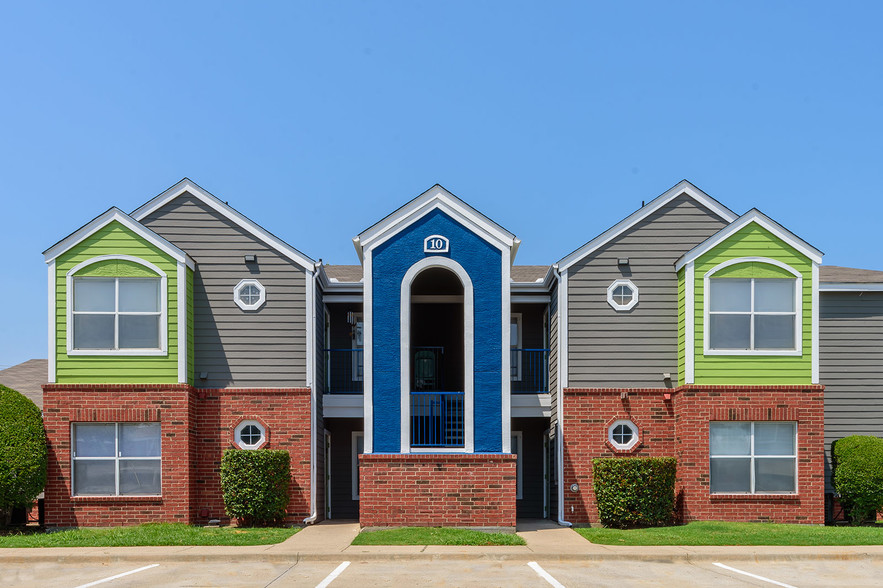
x: 755, y: 497
x: 758, y: 352
x: 141, y: 352
x: 126, y: 498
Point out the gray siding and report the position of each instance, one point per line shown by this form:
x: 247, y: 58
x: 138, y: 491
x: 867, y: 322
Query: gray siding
x: 633, y: 349
x: 851, y: 365
x: 553, y: 354
x: 263, y: 348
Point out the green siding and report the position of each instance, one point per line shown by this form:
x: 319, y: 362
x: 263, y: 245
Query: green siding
x: 115, y: 239
x: 753, y: 241
x: 682, y: 327
x: 191, y: 341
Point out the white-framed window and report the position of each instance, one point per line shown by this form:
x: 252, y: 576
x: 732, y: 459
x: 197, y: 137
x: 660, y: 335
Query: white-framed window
x: 249, y: 294
x: 116, y: 314
x: 753, y: 457
x: 622, y: 295
x: 116, y: 459
x: 517, y: 449
x: 358, y: 447
x: 623, y: 434
x: 358, y: 342
x: 515, y: 342
x: 249, y: 435
x: 753, y: 315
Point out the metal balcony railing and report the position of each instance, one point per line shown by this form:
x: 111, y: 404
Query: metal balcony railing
x: 344, y: 371
x: 529, y: 371
x: 436, y: 419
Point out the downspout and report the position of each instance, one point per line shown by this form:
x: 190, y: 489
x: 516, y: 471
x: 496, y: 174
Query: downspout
x: 314, y: 513
x: 559, y: 437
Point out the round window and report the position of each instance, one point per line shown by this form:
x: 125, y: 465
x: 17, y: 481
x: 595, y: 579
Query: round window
x: 249, y: 435
x: 249, y: 294
x: 623, y: 434
x: 622, y: 295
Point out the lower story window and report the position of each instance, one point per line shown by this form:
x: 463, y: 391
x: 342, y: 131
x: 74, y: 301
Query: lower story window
x: 116, y: 459
x: 753, y: 457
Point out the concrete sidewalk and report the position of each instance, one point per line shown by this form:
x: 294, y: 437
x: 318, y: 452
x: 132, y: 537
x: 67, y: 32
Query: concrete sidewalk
x: 331, y: 541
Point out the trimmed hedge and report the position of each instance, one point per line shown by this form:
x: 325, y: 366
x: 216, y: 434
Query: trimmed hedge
x: 635, y: 491
x: 23, y: 453
x: 255, y: 484
x: 858, y: 475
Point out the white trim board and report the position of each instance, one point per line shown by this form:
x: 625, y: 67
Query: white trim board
x: 682, y: 187
x: 752, y: 216
x: 849, y: 287
x: 115, y: 214
x: 187, y: 185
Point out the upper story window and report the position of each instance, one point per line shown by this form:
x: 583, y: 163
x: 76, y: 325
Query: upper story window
x: 116, y: 314
x: 249, y: 295
x: 622, y: 295
x: 753, y: 314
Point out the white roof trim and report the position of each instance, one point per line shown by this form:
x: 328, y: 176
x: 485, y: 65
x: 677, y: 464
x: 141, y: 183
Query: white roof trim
x: 435, y: 197
x: 850, y: 287
x: 111, y: 215
x: 186, y: 185
x: 682, y: 187
x: 752, y: 216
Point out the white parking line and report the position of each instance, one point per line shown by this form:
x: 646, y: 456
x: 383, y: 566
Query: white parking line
x: 96, y: 582
x: 755, y: 576
x: 330, y: 577
x: 544, y: 574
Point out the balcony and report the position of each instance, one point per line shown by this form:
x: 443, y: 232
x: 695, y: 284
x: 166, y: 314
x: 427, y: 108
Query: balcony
x: 344, y: 371
x: 529, y: 371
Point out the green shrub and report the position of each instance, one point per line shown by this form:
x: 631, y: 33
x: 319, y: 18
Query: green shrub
x: 255, y: 484
x: 23, y: 453
x: 635, y: 492
x: 858, y: 475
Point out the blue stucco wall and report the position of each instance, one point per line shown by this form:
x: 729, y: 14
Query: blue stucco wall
x: 390, y: 261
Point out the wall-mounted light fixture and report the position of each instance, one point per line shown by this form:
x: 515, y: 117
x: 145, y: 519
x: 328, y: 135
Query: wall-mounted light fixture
x: 251, y: 258
x: 622, y: 261
x: 203, y: 375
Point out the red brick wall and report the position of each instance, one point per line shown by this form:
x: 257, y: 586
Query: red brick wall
x: 197, y: 426
x: 285, y: 413
x: 475, y: 490
x: 679, y: 427
x: 171, y: 405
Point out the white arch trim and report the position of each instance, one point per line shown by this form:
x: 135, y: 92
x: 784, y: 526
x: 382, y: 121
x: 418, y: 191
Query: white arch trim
x: 164, y: 309
x: 798, y: 306
x: 468, y: 352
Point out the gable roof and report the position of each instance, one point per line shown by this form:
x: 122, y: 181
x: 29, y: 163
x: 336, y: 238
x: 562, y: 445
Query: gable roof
x: 759, y: 218
x: 682, y: 187
x: 834, y: 278
x: 190, y: 187
x: 437, y: 197
x: 110, y: 215
x: 27, y: 378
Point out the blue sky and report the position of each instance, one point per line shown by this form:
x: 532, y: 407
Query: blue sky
x: 556, y: 119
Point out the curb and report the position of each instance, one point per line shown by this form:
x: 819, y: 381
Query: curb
x: 429, y: 557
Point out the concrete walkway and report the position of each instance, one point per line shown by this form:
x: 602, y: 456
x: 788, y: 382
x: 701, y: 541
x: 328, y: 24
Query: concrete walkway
x: 331, y: 541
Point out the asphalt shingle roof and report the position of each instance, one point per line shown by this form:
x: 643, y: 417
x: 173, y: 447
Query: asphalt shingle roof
x: 27, y: 378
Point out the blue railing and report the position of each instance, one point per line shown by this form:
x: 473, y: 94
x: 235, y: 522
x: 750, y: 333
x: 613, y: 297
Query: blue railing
x: 436, y: 419
x: 344, y: 371
x: 529, y: 371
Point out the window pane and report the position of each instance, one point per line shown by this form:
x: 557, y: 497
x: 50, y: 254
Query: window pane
x: 141, y: 476
x: 139, y: 295
x: 730, y: 295
x: 93, y: 331
x: 140, y: 440
x: 773, y: 331
x: 773, y: 439
x: 730, y: 331
x: 95, y: 440
x: 139, y: 332
x: 774, y: 474
x: 730, y: 438
x: 94, y: 477
x: 94, y: 294
x: 774, y: 295
x: 731, y: 475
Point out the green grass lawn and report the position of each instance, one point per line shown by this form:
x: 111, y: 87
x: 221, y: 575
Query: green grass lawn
x: 149, y: 534
x: 721, y: 533
x: 435, y: 536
